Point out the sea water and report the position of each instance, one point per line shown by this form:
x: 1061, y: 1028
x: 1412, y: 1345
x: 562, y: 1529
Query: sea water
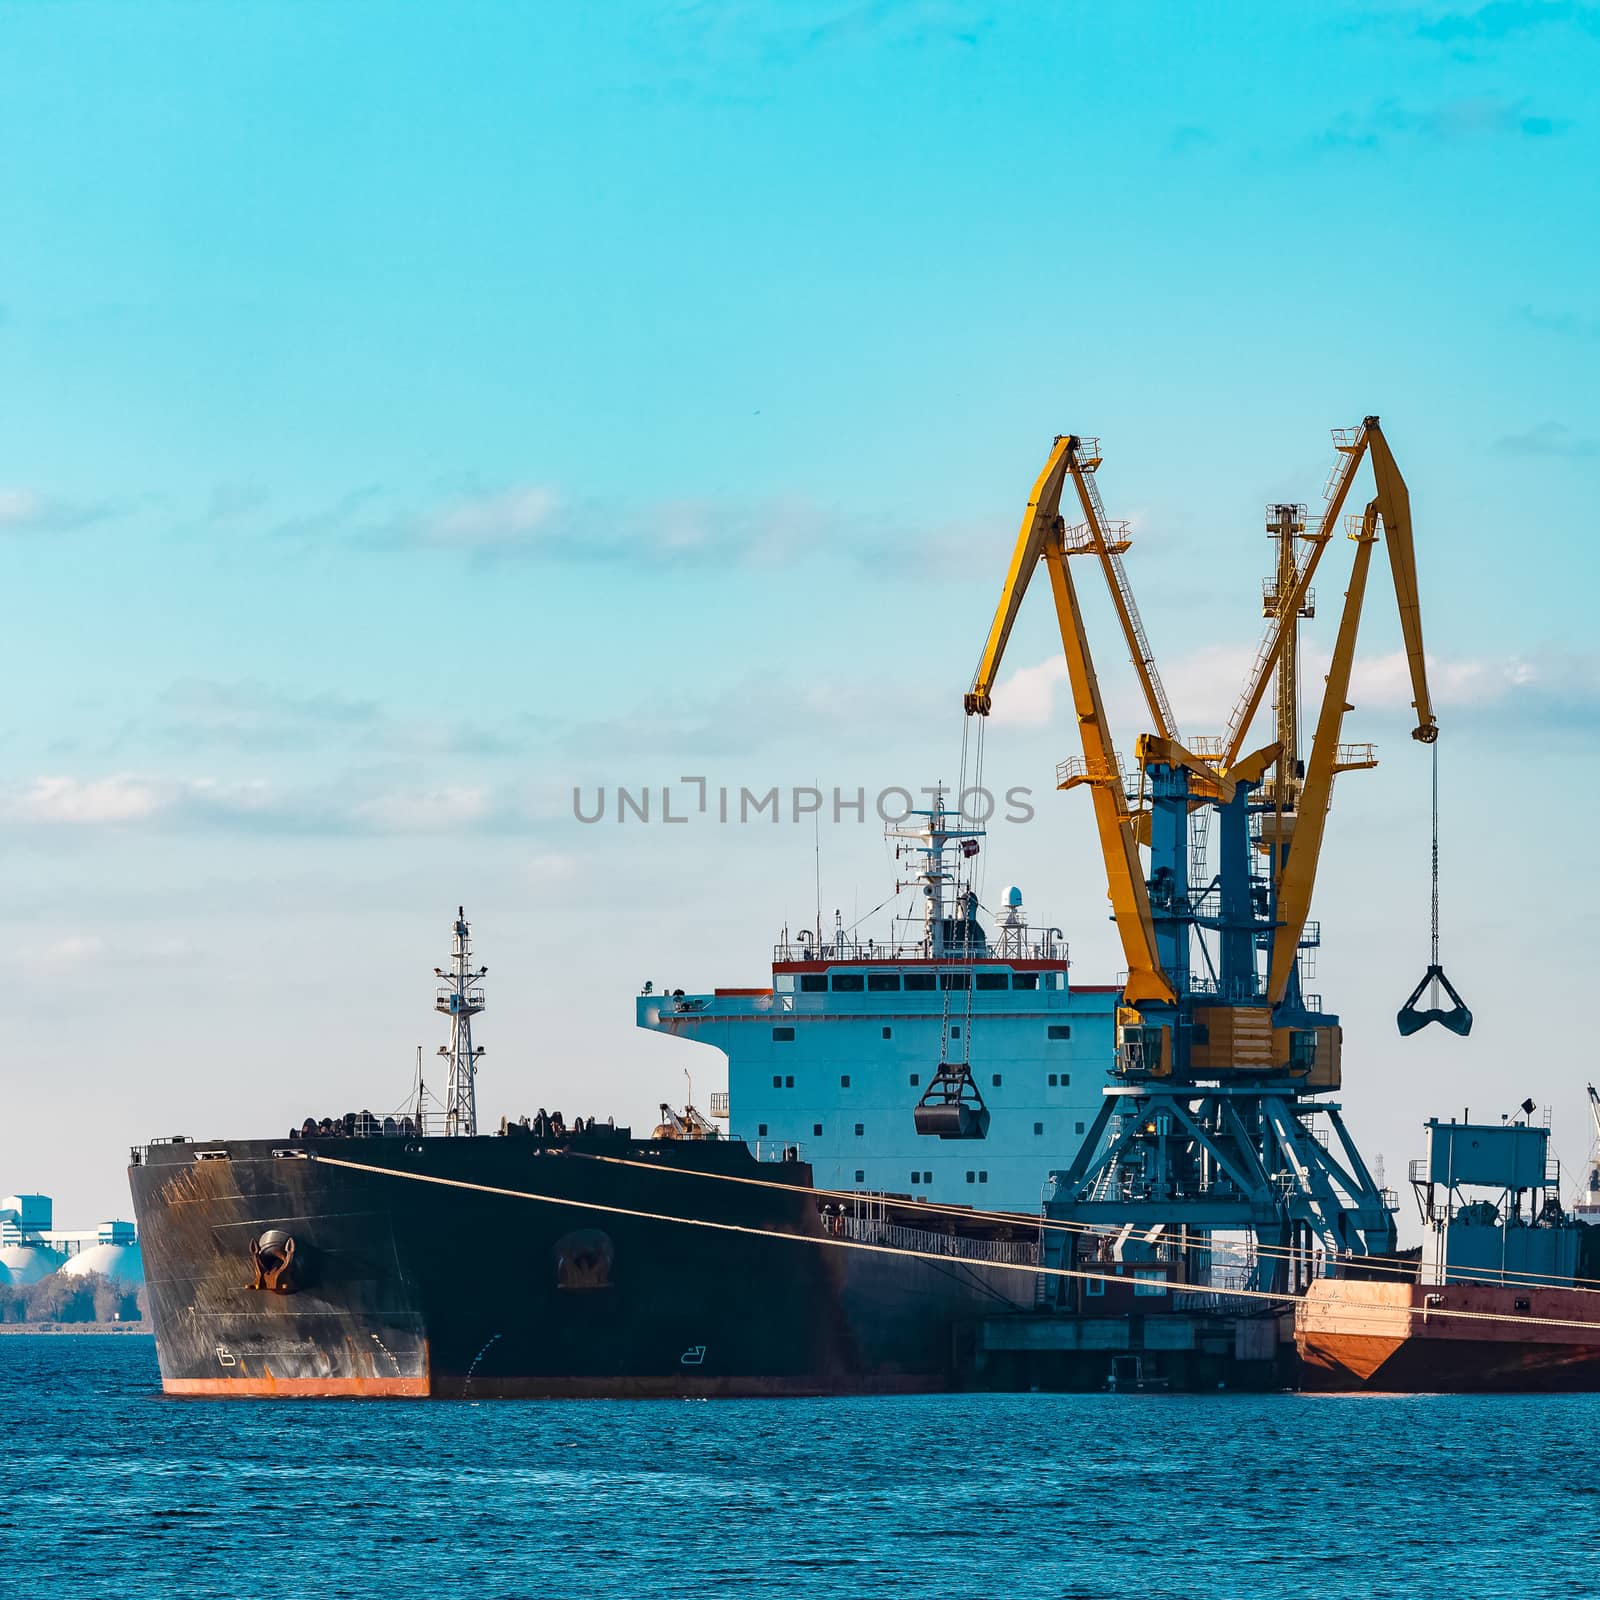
x: 112, y: 1491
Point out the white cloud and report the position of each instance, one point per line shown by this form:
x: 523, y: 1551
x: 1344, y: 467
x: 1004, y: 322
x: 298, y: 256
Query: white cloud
x: 552, y: 866
x: 1460, y: 684
x: 1027, y: 697
x: 85, y: 802
x: 1204, y: 685
x: 70, y: 952
x: 18, y: 506
x: 491, y: 521
x: 252, y: 805
x: 26, y: 510
x: 73, y: 951
x: 424, y: 810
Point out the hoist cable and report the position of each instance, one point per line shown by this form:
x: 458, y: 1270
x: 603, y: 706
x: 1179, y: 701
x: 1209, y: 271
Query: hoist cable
x: 1435, y: 748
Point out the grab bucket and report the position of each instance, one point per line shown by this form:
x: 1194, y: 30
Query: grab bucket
x: 1413, y: 1017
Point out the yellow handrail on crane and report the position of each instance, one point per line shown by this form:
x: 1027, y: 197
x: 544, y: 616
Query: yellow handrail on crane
x: 1042, y: 538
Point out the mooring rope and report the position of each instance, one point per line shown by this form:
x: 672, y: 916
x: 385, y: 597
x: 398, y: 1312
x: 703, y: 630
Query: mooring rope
x: 1490, y: 1278
x: 833, y: 1242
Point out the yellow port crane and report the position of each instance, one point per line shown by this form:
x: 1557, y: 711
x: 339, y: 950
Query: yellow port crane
x: 1210, y: 1124
x: 1241, y: 1017
x: 1045, y: 537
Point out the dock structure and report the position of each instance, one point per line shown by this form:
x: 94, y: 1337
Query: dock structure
x: 1198, y: 1348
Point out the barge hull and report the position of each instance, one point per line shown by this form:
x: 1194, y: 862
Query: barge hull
x: 1458, y: 1338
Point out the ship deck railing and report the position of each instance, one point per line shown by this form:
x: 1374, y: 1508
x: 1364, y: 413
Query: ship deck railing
x: 1008, y: 944
x: 895, y: 1236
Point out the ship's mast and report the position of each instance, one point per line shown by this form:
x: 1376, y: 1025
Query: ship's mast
x: 461, y: 999
x: 946, y: 902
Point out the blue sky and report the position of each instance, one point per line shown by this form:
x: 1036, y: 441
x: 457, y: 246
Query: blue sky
x: 413, y: 411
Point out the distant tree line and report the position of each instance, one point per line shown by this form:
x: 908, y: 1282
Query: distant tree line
x: 60, y: 1298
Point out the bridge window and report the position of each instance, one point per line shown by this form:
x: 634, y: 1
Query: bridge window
x: 972, y: 1177
x: 844, y: 1080
x: 919, y: 981
x: 888, y: 1033
x: 761, y: 1130
x: 997, y: 1080
x: 955, y: 1033
x: 916, y: 1078
x: 788, y: 1082
x: 861, y: 1129
x: 816, y: 1130
x: 883, y: 982
x: 1024, y: 980
x: 1038, y: 1127
x: 983, y: 1177
x: 848, y: 983
x: 783, y: 1035
x: 955, y: 980
x: 991, y: 980
x: 777, y: 1080
x: 1058, y: 1030
x: 861, y: 1177
x: 813, y: 983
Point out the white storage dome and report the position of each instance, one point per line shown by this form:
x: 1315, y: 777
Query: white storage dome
x: 28, y: 1263
x: 121, y: 1261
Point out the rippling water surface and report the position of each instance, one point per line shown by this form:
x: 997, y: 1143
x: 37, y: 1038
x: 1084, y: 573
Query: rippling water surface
x: 110, y: 1490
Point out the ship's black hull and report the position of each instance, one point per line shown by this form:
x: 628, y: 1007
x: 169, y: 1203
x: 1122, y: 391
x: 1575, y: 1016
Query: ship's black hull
x: 521, y: 1267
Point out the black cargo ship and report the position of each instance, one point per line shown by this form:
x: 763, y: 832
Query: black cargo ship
x: 547, y: 1263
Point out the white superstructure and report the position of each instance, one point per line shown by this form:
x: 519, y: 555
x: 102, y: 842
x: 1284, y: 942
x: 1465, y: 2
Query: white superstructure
x: 835, y: 1054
